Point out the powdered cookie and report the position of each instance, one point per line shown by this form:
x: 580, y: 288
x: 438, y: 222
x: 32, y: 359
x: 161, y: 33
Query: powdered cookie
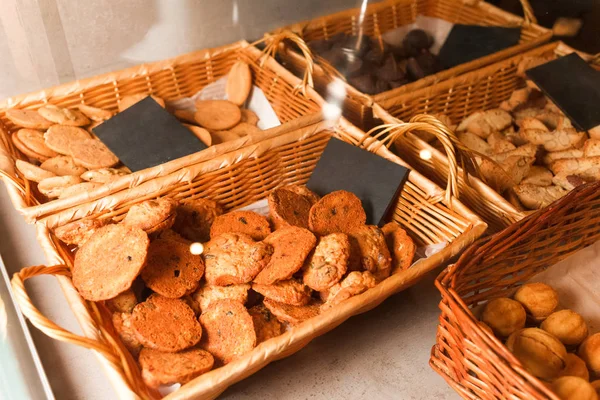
x: 293, y: 315
x: 123, y: 303
x: 55, y: 186
x: 401, y: 246
x: 152, y: 215
x: 95, y: 113
x: 287, y: 292
x: 291, y: 246
x: 234, y: 258
x: 266, y: 326
x: 109, y: 261
x: 217, y: 115
x: 239, y: 83
x: 329, y: 262
x: 28, y: 119
x: 127, y: 101
x: 63, y: 116
x: 201, y: 133
x: 229, y: 330
x: 122, y: 324
x: 159, y: 368
x: 311, y: 196
x: 249, y: 117
x: 369, y: 251
x: 59, y: 137
x: 82, y: 187
x: 288, y: 208
x: 31, y: 172
x: 171, y: 269
x: 339, y: 211
x: 207, y: 294
x: 92, y: 154
x: 195, y: 217
x: 34, y: 140
x: 355, y: 283
x: 79, y: 232
x: 165, y: 324
x: 63, y: 165
x: 102, y: 175
x: 250, y: 223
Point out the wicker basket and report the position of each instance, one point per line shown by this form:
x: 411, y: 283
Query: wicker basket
x: 475, y: 363
x: 387, y: 15
x: 237, y: 176
x: 457, y: 98
x: 172, y: 79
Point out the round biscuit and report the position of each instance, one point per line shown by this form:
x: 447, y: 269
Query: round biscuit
x: 63, y: 116
x: 28, y: 119
x: 34, y: 140
x: 288, y: 209
x: 402, y: 247
x: 248, y: 222
x: 95, y: 113
x: 195, y: 217
x: 288, y: 292
x: 159, y: 368
x: 292, y: 315
x: 78, y: 188
x: 266, y: 326
x: 31, y: 172
x: 26, y: 150
x: 92, y: 154
x: 369, y: 251
x: 207, y: 294
x: 328, y: 263
x: 151, y: 215
x: 78, y: 232
x: 217, y: 115
x: 62, y: 165
x: 339, y: 211
x: 56, y: 185
x: 249, y: 117
x: 239, y: 83
x: 59, y: 137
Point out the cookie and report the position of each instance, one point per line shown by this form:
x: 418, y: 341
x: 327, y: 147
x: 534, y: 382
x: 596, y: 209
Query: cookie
x: 78, y: 188
x: 172, y: 235
x: 171, y: 270
x: 266, y: 326
x: 152, y: 215
x: 165, y: 324
x: 217, y: 115
x: 219, y: 137
x: 55, y: 186
x: 293, y: 315
x: 355, y: 283
x: 338, y: 211
x: 34, y: 140
x: 102, y: 175
x: 159, y: 368
x: 90, y: 127
x: 32, y: 172
x: 78, y: 232
x: 369, y: 251
x: 248, y: 222
x: 109, y: 261
x: 95, y: 113
x: 329, y: 262
x: 122, y: 324
x: 401, y: 246
x: 207, y: 294
x: 28, y: 119
x: 201, y: 133
x: 288, y: 292
x: 123, y: 303
x: 63, y: 116
x: 288, y: 209
x: 59, y: 137
x: 26, y: 150
x: 311, y: 196
x: 63, y: 165
x: 195, y: 217
x: 185, y: 116
x: 249, y: 117
x: 229, y: 330
x: 291, y: 247
x: 245, y: 129
x: 92, y: 154
x: 193, y: 304
x: 234, y: 258
x: 127, y: 101
x: 239, y: 83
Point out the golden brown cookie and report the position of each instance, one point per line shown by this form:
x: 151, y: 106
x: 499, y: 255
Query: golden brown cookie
x: 248, y: 222
x: 369, y: 251
x: 95, y: 113
x: 63, y: 116
x: 217, y: 115
x: 59, y: 137
x: 401, y: 246
x: 239, y: 83
x: 292, y: 315
x: 79, y: 232
x: 249, y: 117
x: 291, y: 246
x: 109, y: 261
x: 219, y: 137
x: 32, y: 172
x: 28, y: 119
x: 102, y: 175
x: 159, y: 368
x: 266, y: 326
x: 92, y: 154
x: 195, y: 217
x: 127, y: 101
x: 207, y: 294
x: 122, y: 325
x: 245, y: 129
x: 63, y: 165
x: 229, y: 330
x: 26, y: 150
x: 201, y: 133
x: 172, y: 235
x: 55, y: 186
x: 234, y: 258
x: 302, y: 190
x: 34, y: 140
x: 328, y: 263
x: 123, y: 303
x: 338, y: 211
x: 355, y: 283
x: 78, y: 188
x: 171, y: 270
x: 288, y: 292
x: 152, y: 215
x: 165, y: 324
x: 288, y: 208
x: 185, y: 116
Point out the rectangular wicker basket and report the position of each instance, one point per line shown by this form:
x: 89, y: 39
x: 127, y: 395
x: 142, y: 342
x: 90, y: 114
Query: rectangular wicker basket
x: 387, y: 15
x: 457, y: 98
x: 237, y: 175
x: 475, y: 363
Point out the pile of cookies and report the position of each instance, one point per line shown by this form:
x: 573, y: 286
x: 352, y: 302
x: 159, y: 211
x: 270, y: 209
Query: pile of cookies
x: 192, y: 287
x: 560, y: 352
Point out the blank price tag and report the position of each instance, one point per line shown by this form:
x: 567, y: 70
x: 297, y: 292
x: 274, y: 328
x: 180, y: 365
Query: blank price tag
x: 376, y: 181
x: 146, y: 135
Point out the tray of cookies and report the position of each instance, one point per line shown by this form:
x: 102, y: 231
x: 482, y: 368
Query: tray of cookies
x: 379, y: 57
x: 50, y: 154
x: 229, y: 264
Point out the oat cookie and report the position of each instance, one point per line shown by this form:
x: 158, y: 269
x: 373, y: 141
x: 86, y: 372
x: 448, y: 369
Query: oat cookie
x: 292, y: 315
x: 207, y: 294
x: 288, y: 208
x: 338, y: 211
x: 239, y: 83
x: 53, y: 187
x: 26, y: 150
x: 355, y: 283
x: 82, y: 187
x: 123, y: 303
x: 217, y: 115
x: 78, y: 232
x: 34, y: 140
x: 291, y: 247
x: 248, y: 222
x: 287, y: 292
x: 63, y: 116
x: 127, y: 101
x: 63, y: 165
x: 369, y: 251
x: 311, y: 196
x: 172, y: 235
x: 171, y: 270
x: 401, y: 246
x: 234, y: 258
x: 165, y: 324
x: 329, y: 262
x: 159, y: 368
x: 195, y: 217
x: 32, y: 172
x: 92, y: 154
x: 229, y: 330
x: 102, y: 175
x: 28, y: 119
x: 122, y: 325
x: 59, y: 137
x: 109, y: 261
x: 95, y: 113
x: 266, y: 326
x: 151, y: 215
x: 249, y: 117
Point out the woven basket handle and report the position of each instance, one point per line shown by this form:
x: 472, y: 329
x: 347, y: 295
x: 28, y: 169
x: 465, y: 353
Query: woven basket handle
x: 527, y: 9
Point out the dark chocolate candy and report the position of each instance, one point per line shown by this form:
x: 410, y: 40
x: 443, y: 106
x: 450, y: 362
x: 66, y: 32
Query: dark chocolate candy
x: 364, y: 83
x: 414, y: 69
x: 416, y: 40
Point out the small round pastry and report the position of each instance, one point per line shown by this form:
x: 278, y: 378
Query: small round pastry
x: 575, y: 367
x: 568, y: 326
x: 540, y: 353
x: 573, y: 388
x: 539, y: 300
x: 504, y: 316
x: 589, y: 351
